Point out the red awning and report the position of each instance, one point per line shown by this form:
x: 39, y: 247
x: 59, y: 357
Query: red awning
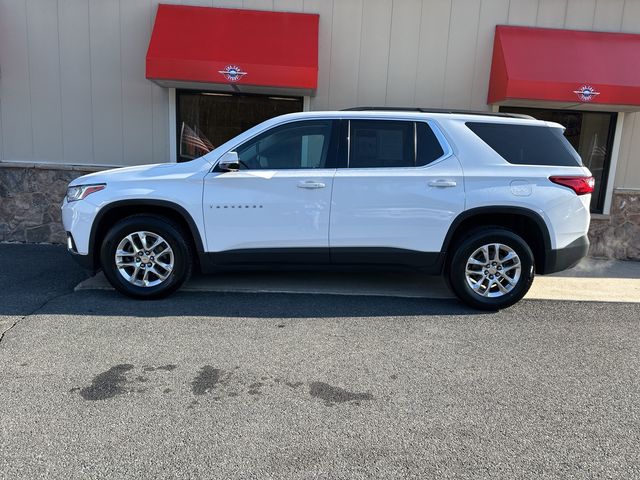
x: 565, y: 66
x: 236, y: 48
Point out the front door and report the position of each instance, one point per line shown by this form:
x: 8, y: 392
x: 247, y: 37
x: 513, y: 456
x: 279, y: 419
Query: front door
x: 396, y: 199
x: 276, y: 207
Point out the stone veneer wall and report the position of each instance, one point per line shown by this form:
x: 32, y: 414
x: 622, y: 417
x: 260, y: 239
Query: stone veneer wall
x: 617, y: 235
x: 30, y: 199
x: 31, y: 194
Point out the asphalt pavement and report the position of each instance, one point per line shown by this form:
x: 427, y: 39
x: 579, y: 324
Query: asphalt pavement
x: 300, y: 386
x: 591, y: 280
x: 30, y: 276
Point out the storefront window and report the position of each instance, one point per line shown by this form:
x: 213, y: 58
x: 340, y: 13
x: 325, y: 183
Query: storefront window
x: 590, y: 133
x: 208, y: 119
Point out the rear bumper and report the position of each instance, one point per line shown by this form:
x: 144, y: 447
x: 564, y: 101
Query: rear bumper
x: 567, y: 257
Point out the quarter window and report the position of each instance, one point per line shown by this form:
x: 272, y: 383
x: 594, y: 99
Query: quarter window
x: 429, y: 148
x: 384, y: 144
x: 527, y: 144
x: 295, y: 145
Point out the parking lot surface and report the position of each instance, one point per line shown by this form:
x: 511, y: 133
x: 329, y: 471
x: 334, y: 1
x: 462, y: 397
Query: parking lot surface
x: 274, y: 385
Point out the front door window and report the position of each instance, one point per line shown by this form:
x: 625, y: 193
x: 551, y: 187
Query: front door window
x: 296, y: 145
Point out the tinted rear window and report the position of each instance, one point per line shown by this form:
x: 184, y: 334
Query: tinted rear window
x: 527, y: 144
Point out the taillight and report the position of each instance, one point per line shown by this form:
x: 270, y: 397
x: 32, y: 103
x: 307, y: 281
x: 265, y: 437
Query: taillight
x: 580, y: 185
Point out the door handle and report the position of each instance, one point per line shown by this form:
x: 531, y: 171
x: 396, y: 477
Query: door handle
x: 442, y: 183
x: 311, y: 185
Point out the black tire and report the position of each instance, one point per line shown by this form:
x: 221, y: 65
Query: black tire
x: 456, y: 274
x: 174, y: 237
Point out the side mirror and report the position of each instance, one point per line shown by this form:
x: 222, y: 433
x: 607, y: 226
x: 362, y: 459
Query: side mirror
x: 229, y: 162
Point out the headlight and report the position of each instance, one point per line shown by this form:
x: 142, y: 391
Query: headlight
x: 78, y: 192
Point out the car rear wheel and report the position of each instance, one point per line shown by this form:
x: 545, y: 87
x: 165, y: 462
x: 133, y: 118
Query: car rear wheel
x: 145, y: 256
x: 491, y: 269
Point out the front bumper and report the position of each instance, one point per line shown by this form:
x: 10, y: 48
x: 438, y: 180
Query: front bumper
x: 77, y: 219
x: 567, y: 257
x: 85, y: 261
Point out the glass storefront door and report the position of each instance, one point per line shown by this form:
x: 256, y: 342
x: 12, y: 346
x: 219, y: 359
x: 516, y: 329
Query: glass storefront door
x: 590, y: 133
x: 208, y: 119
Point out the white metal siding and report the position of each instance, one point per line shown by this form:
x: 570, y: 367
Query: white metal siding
x: 628, y: 173
x: 72, y: 86
x: 75, y: 84
x: 375, y: 38
x: 403, y: 52
x: 15, y: 91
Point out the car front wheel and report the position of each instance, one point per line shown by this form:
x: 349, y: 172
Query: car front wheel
x: 491, y: 269
x: 146, y: 257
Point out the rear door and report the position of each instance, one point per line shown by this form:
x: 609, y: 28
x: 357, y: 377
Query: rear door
x: 397, y: 197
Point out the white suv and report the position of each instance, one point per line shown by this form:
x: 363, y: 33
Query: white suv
x: 485, y: 199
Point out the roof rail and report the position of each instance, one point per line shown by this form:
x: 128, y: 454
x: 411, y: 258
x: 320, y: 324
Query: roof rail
x: 437, y: 110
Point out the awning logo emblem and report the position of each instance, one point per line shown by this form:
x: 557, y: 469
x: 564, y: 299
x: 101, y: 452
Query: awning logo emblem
x: 233, y: 73
x: 586, y: 93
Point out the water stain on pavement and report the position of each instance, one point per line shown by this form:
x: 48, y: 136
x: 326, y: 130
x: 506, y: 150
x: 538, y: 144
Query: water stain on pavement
x: 333, y: 395
x: 107, y: 384
x: 206, y: 380
x: 114, y: 382
x: 254, y: 388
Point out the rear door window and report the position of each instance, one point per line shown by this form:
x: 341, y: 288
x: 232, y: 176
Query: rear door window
x: 527, y: 144
x: 392, y: 143
x: 381, y: 143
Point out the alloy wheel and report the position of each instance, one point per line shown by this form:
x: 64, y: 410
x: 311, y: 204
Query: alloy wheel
x: 493, y: 270
x: 144, y: 259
